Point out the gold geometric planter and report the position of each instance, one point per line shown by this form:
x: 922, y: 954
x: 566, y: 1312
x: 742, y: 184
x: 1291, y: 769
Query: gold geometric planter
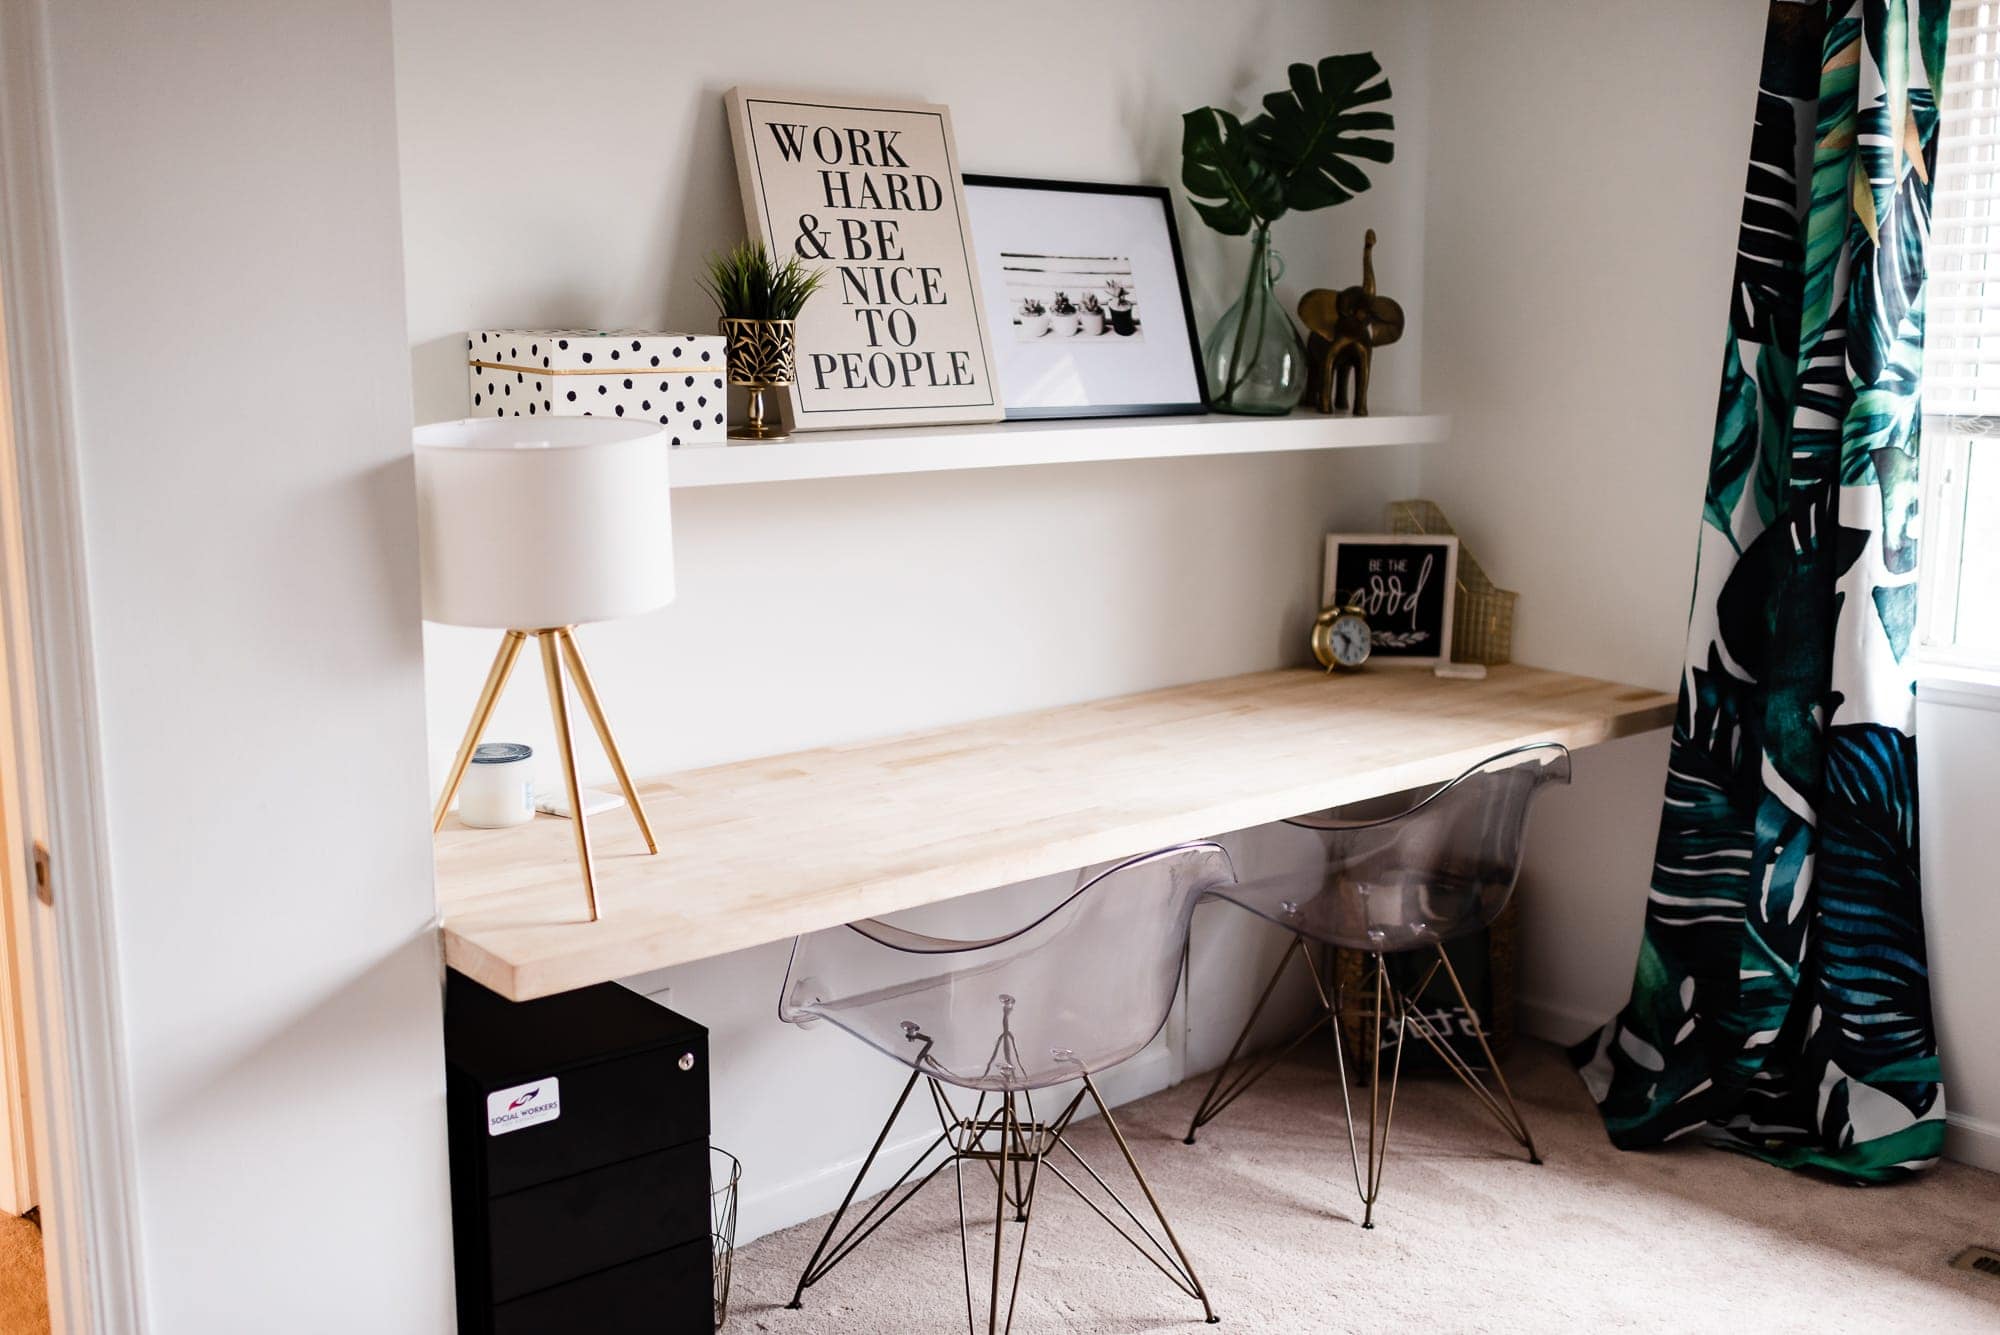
x: 761, y: 355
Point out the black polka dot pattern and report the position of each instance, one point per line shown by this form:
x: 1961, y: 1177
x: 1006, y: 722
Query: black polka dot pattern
x: 590, y: 379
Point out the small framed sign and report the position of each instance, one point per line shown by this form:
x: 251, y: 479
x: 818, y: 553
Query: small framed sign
x: 1406, y: 584
x: 868, y: 190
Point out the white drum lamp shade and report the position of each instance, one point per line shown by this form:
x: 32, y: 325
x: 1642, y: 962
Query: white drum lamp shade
x: 533, y: 526
x: 534, y: 523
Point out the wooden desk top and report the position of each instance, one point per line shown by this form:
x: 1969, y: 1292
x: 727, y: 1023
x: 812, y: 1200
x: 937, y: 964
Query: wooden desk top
x: 765, y: 849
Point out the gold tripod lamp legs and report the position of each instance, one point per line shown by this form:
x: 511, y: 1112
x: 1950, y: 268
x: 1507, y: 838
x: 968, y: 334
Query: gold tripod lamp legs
x: 587, y: 690
x: 559, y: 651
x: 559, y: 710
x: 489, y: 695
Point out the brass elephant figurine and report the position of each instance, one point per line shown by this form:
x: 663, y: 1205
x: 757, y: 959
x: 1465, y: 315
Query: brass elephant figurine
x: 1345, y: 329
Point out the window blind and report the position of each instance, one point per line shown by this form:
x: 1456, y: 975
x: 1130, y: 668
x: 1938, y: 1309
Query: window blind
x: 1962, y: 306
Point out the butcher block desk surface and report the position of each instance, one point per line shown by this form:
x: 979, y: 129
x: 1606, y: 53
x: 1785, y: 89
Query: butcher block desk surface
x: 761, y: 850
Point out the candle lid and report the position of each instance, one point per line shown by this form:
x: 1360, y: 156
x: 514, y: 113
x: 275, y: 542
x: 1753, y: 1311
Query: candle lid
x: 500, y: 753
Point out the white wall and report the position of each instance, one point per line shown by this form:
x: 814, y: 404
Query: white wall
x: 227, y: 190
x: 578, y: 179
x: 1580, y: 243
x: 1586, y: 172
x: 1958, y: 736
x: 815, y: 612
x: 1578, y: 253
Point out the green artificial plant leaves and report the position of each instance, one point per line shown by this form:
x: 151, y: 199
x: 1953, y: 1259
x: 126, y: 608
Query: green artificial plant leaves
x: 1299, y: 153
x: 1229, y: 185
x: 1312, y: 132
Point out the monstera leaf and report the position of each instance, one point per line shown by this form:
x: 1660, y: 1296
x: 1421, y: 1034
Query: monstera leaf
x: 1298, y: 153
x: 1312, y: 132
x: 1227, y: 182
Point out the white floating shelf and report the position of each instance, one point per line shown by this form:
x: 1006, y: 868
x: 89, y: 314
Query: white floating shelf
x: 822, y: 454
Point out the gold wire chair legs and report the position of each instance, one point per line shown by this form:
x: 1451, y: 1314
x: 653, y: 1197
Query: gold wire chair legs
x: 1390, y: 1006
x: 1015, y: 1146
x: 1378, y: 1146
x: 1218, y: 1096
x: 558, y: 650
x: 1502, y: 1108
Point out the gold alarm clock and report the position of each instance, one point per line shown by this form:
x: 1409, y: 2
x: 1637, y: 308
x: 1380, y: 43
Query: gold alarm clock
x: 1341, y: 638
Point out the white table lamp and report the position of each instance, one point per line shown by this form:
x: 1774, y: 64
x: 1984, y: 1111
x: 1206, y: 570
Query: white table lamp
x: 532, y: 526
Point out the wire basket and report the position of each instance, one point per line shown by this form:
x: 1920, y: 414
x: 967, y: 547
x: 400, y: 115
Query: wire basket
x: 1482, y: 626
x: 725, y: 1176
x: 1482, y: 622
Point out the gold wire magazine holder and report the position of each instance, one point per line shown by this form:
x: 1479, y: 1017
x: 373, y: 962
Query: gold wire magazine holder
x: 1482, y: 626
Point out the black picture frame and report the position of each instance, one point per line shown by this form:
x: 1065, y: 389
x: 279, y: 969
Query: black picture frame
x: 1406, y: 585
x: 998, y: 302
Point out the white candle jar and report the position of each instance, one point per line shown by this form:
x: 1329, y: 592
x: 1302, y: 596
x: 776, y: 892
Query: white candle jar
x: 499, y: 786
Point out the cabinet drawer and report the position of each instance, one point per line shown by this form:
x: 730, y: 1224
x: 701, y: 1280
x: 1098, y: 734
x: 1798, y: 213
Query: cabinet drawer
x: 573, y: 1227
x: 611, y: 1111
x: 667, y: 1293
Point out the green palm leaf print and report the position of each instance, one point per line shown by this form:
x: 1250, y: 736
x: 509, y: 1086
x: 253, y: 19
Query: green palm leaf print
x: 1780, y: 1005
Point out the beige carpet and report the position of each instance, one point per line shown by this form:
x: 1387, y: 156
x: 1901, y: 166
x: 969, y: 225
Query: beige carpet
x: 24, y: 1297
x: 1468, y: 1236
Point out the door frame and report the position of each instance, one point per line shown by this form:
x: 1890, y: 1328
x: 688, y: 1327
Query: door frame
x: 85, y: 1149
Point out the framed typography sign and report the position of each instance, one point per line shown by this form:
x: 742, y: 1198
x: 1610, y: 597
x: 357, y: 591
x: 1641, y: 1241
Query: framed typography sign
x: 1406, y: 584
x: 869, y: 191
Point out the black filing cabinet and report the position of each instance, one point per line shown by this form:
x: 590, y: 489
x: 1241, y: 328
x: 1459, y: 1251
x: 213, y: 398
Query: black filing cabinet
x: 579, y: 1163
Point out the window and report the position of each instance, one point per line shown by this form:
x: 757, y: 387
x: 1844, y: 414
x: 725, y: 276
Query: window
x: 1961, y: 440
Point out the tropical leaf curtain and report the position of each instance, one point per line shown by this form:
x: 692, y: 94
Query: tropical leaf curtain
x: 1781, y: 1003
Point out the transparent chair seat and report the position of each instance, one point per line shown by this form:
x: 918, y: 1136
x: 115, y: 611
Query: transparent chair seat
x: 1408, y: 878
x: 1420, y: 875
x: 1079, y: 989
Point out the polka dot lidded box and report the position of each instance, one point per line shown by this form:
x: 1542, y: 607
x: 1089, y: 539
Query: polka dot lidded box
x: 673, y: 379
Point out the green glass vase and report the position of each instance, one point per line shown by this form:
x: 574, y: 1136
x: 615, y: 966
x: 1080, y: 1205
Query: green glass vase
x: 1254, y: 359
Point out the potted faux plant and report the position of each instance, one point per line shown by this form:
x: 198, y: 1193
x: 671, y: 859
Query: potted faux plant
x: 1062, y: 316
x: 1119, y: 292
x: 1299, y: 153
x: 759, y: 302
x: 1090, y: 316
x: 1034, y: 318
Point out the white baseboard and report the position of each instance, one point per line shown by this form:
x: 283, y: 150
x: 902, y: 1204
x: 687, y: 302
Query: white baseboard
x: 786, y: 1203
x: 1970, y: 1140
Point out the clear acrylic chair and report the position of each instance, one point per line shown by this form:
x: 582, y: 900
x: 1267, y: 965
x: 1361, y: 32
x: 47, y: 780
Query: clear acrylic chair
x: 1078, y: 990
x: 1408, y: 881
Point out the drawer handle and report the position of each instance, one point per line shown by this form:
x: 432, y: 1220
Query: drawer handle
x: 687, y: 1061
